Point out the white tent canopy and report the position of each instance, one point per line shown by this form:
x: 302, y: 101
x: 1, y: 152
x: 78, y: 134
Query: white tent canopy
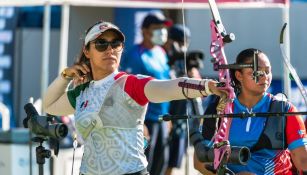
x: 166, y: 4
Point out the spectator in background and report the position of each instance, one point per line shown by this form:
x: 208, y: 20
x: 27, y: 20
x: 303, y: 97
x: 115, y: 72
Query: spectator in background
x: 149, y: 58
x: 176, y: 47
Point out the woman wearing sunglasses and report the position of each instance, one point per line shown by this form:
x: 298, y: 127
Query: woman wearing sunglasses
x: 109, y: 106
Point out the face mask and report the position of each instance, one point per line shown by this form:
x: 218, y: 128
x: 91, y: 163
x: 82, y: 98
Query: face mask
x: 159, y: 36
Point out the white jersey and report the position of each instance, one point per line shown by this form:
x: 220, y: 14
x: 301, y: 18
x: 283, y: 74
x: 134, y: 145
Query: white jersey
x: 111, y: 124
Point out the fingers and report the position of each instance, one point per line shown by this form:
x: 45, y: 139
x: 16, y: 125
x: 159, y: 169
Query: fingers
x: 222, y: 93
x: 215, y: 90
x: 84, y: 68
x: 79, y: 81
x: 78, y: 72
x: 222, y: 103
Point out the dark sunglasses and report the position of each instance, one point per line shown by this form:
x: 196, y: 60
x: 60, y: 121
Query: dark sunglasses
x: 102, y: 45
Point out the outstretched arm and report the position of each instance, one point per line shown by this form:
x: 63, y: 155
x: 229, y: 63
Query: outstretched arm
x: 158, y: 91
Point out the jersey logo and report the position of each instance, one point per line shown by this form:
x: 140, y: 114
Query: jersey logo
x: 84, y: 105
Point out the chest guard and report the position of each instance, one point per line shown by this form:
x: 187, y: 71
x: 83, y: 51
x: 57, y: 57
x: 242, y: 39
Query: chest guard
x: 273, y: 134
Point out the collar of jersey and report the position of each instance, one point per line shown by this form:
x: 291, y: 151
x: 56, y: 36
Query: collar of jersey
x: 104, y: 80
x: 254, y: 108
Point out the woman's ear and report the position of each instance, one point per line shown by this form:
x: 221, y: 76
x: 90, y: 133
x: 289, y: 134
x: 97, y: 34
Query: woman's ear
x: 86, y: 52
x: 238, y: 75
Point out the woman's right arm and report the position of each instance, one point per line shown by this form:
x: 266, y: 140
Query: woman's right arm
x: 55, y: 100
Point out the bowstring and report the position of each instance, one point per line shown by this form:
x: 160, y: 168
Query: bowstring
x: 283, y: 122
x: 184, y: 39
x: 283, y: 128
x: 186, y: 75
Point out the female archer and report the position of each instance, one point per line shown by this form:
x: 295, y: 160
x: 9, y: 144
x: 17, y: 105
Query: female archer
x: 275, y: 144
x: 110, y: 108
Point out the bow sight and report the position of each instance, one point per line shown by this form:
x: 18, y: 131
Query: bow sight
x: 253, y: 65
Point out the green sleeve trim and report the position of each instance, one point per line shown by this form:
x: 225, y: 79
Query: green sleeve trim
x: 74, y: 93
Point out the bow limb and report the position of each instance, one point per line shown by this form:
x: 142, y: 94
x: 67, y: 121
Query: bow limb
x: 222, y: 148
x: 290, y: 67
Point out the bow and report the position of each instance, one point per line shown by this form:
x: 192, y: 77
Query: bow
x: 290, y: 67
x: 293, y: 73
x: 222, y: 150
x: 219, y: 37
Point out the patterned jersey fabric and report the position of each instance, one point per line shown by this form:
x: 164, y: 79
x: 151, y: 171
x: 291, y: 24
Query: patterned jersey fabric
x: 110, y: 115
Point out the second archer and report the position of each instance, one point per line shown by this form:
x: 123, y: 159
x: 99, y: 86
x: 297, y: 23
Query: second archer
x: 276, y: 143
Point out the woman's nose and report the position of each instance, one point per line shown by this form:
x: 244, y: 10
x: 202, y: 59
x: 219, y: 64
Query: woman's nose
x: 109, y: 49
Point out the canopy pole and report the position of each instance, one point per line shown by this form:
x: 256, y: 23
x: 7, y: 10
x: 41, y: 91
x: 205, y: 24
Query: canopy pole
x: 46, y: 46
x: 64, y: 37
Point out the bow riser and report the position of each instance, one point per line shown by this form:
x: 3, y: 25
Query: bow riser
x: 217, y: 52
x: 222, y: 148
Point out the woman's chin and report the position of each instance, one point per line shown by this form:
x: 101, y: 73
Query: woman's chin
x: 112, y: 68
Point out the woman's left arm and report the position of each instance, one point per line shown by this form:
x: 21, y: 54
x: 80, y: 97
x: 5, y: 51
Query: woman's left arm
x: 158, y: 91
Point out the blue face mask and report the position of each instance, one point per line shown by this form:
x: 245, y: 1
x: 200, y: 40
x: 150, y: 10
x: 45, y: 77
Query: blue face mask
x: 159, y: 36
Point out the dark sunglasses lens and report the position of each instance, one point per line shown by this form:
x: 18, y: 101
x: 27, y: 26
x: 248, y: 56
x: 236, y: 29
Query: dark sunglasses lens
x: 116, y: 45
x: 102, y: 45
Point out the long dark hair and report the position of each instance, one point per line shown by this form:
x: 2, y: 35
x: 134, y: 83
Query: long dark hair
x: 81, y: 58
x: 244, y: 56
